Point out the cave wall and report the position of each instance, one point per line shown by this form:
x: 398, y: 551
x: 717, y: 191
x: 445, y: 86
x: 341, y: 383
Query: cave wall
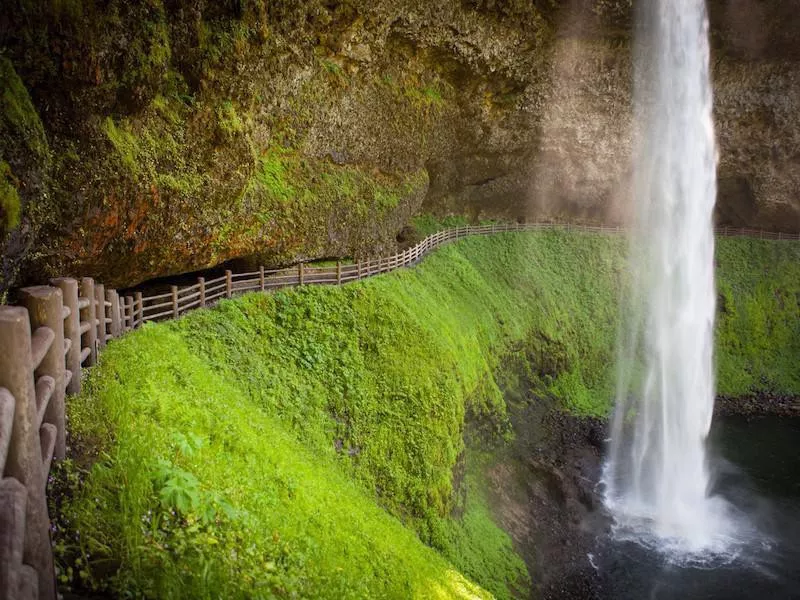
x: 139, y: 139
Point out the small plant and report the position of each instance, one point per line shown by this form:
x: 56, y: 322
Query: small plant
x: 228, y: 120
x: 331, y: 67
x: 125, y: 143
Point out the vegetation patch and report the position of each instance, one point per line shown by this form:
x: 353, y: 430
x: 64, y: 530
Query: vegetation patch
x: 474, y: 543
x: 125, y: 143
x: 220, y: 498
x: 304, y: 443
x: 229, y: 121
x: 27, y: 205
x: 758, y: 323
x: 289, y: 193
x: 10, y: 207
x: 428, y: 224
x: 18, y: 113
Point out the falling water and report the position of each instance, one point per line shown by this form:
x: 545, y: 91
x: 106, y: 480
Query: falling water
x: 657, y: 476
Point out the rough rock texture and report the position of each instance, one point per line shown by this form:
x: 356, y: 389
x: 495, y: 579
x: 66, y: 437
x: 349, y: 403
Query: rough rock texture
x: 140, y: 139
x: 544, y: 494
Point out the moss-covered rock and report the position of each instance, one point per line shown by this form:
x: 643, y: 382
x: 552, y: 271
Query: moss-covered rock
x: 156, y: 117
x: 25, y: 166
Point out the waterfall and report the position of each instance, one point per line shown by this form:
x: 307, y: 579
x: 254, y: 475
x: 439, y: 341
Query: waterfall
x: 656, y: 477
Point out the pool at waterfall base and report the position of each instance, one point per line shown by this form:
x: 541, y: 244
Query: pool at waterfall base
x: 754, y: 469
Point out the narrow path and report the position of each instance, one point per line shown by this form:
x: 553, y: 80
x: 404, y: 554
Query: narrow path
x: 179, y: 300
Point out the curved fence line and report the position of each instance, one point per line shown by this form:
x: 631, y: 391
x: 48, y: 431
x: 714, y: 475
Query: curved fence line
x: 204, y: 293
x: 60, y: 328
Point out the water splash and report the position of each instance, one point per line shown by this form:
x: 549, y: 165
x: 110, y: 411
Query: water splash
x: 657, y: 478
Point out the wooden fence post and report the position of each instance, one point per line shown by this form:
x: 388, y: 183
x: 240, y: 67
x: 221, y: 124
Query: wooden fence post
x: 338, y: 272
x: 129, y: 312
x: 228, y: 284
x: 100, y: 311
x: 16, y: 579
x: 201, y: 282
x: 89, y: 315
x: 113, y: 298
x: 46, y: 309
x: 24, y: 461
x: 261, y: 281
x: 358, y: 269
x: 300, y: 274
x: 72, y: 331
x: 116, y: 300
x: 139, y: 308
x: 174, y: 290
x: 123, y: 314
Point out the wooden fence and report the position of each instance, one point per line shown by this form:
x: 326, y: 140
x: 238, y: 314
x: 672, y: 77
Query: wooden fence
x: 178, y: 300
x: 45, y: 341
x: 57, y: 330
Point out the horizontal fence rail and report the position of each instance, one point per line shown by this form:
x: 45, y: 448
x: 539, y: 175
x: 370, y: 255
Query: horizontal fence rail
x: 58, y: 329
x: 205, y: 293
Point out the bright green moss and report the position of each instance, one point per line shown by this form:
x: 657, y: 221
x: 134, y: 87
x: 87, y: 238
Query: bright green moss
x: 152, y: 151
x: 228, y: 119
x: 271, y: 177
x: 167, y: 107
x: 125, y: 143
x: 285, y: 179
x: 220, y: 499
x: 10, y: 208
x: 758, y: 324
x: 149, y: 52
x: 432, y: 92
x: 288, y: 192
x: 17, y: 112
x: 475, y: 544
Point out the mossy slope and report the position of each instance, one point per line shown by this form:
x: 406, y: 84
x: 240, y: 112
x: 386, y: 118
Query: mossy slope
x: 758, y: 324
x: 257, y: 440
x: 219, y: 499
x: 25, y: 206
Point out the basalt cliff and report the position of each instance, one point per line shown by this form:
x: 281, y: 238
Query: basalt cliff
x: 147, y: 138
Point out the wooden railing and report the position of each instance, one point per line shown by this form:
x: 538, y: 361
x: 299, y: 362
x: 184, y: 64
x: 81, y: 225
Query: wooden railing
x: 57, y: 330
x: 45, y: 342
x: 179, y: 300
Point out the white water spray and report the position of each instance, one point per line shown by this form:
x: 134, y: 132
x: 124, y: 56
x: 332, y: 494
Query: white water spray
x: 657, y: 478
